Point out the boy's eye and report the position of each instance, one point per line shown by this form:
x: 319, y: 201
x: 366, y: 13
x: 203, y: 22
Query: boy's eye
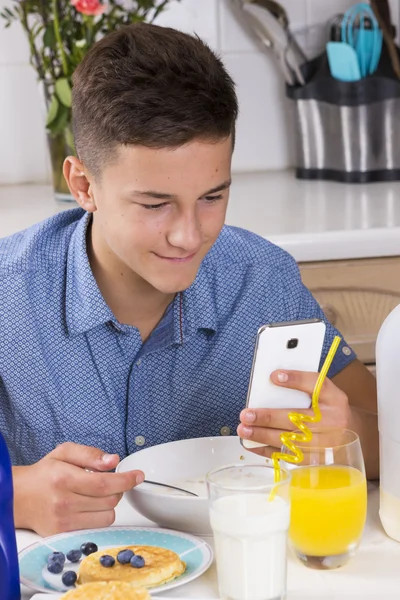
x: 154, y: 206
x: 213, y: 198
x: 209, y: 199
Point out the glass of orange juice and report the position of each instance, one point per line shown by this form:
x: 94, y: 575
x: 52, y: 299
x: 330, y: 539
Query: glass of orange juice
x: 328, y: 499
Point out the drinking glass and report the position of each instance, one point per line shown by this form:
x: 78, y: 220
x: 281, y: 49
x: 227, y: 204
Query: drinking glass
x: 328, y: 499
x: 250, y: 516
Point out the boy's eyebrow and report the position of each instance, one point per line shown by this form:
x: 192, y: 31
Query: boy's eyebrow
x: 162, y: 196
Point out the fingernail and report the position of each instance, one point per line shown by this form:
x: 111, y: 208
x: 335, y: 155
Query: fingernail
x: 283, y: 377
x: 247, y: 431
x: 139, y: 478
x: 108, y: 459
x: 250, y: 416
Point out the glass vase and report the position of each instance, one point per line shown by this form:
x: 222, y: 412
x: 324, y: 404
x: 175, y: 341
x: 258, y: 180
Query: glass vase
x: 59, y: 150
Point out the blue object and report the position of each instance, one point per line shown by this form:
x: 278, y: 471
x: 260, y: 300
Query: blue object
x: 69, y: 578
x: 196, y: 554
x: 367, y: 43
x: 9, y: 570
x: 55, y: 567
x: 107, y: 561
x: 137, y: 561
x: 72, y: 372
x: 57, y: 557
x: 74, y: 556
x: 88, y: 548
x: 343, y: 62
x: 124, y: 556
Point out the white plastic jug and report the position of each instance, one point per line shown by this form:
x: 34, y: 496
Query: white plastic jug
x: 388, y: 379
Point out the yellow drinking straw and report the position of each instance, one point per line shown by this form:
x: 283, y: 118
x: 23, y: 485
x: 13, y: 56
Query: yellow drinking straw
x: 288, y: 438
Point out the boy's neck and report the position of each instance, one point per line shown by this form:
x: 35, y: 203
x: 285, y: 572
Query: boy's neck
x: 132, y: 300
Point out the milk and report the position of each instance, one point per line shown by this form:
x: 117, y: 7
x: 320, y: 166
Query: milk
x: 387, y: 372
x: 389, y: 513
x: 250, y: 535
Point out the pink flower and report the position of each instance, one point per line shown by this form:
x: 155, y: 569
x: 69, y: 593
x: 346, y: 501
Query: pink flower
x: 89, y: 7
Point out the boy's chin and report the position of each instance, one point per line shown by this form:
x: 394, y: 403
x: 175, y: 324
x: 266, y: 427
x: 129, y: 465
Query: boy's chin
x: 174, y: 286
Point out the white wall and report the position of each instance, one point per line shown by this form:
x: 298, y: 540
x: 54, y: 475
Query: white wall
x: 264, y: 130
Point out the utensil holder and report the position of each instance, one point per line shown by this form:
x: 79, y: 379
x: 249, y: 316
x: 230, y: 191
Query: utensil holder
x: 347, y: 131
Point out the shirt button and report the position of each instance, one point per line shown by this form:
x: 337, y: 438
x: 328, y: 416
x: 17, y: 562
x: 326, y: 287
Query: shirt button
x: 225, y: 431
x: 139, y: 362
x: 346, y: 350
x: 115, y: 326
x: 139, y: 440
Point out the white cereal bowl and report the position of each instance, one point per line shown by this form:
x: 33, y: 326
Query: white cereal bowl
x: 178, y: 463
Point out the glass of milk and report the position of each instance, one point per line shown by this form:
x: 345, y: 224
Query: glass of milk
x: 250, y: 517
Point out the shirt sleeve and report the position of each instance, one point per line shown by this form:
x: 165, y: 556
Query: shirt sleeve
x: 308, y: 308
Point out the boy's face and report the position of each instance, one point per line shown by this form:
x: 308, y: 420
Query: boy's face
x: 158, y: 212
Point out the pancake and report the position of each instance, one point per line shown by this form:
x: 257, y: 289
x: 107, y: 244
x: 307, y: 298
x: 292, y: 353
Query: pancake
x: 161, y: 566
x: 111, y: 590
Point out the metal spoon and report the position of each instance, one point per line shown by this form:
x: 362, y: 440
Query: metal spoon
x: 276, y: 9
x: 281, y: 15
x: 258, y: 19
x: 172, y: 487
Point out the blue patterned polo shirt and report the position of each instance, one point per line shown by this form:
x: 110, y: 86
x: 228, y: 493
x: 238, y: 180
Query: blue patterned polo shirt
x: 69, y: 371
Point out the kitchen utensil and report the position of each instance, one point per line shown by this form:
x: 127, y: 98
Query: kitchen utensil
x: 250, y: 515
x: 196, y: 553
x: 281, y: 15
x: 381, y: 8
x: 325, y: 533
x: 335, y: 28
x: 276, y: 9
x: 272, y: 35
x: 171, y: 487
x: 343, y: 62
x: 388, y: 36
x: 361, y: 30
x: 184, y: 463
x: 279, y: 38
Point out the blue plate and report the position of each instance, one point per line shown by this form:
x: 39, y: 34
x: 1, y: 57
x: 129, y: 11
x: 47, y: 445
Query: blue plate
x: 196, y: 553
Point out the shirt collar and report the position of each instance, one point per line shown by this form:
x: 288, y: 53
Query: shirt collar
x: 85, y: 307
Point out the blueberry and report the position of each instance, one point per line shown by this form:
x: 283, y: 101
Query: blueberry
x: 55, y: 567
x: 74, y: 556
x: 58, y: 556
x: 88, y: 548
x: 137, y: 561
x: 107, y: 561
x: 124, y: 556
x: 69, y: 578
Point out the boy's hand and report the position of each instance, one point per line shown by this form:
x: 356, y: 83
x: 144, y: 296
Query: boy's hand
x: 70, y: 489
x: 265, y: 425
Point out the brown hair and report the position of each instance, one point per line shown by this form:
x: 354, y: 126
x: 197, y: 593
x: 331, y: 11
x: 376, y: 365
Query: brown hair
x: 151, y: 86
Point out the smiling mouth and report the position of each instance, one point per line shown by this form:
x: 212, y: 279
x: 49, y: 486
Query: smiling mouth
x: 178, y: 260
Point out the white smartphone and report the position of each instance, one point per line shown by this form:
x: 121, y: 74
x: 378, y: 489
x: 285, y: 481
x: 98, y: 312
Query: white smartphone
x: 296, y: 346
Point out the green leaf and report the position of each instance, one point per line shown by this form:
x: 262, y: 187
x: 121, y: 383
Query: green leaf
x: 53, y: 110
x: 63, y: 91
x: 49, y: 39
x: 69, y: 139
x: 61, y: 121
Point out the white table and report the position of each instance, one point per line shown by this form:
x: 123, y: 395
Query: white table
x: 373, y: 574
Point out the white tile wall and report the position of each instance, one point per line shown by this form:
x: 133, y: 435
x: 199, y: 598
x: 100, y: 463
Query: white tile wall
x: 265, y: 139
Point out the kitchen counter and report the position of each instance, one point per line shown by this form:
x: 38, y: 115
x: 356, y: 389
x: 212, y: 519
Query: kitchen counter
x: 313, y: 220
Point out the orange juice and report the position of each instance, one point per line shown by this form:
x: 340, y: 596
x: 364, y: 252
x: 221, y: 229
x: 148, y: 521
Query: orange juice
x: 329, y: 506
